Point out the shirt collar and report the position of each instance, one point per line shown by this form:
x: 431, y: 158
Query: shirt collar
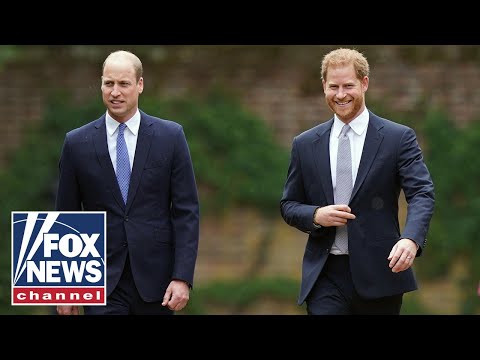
x: 358, y: 125
x: 133, y: 124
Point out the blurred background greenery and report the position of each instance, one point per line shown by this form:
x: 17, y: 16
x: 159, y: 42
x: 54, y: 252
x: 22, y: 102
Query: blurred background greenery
x: 240, y: 106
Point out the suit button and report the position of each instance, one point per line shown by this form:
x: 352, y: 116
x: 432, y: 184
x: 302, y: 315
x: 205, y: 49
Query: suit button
x: 126, y: 218
x: 124, y: 244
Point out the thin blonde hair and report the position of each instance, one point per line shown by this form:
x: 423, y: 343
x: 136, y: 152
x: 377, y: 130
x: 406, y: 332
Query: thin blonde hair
x: 119, y: 54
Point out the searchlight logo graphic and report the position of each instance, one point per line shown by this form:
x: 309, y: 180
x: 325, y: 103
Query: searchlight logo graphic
x: 58, y: 258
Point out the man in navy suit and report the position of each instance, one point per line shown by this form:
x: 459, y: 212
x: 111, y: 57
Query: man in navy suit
x: 152, y: 237
x: 371, y: 270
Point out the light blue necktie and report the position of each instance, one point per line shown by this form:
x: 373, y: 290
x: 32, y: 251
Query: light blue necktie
x: 344, y: 186
x: 123, y: 163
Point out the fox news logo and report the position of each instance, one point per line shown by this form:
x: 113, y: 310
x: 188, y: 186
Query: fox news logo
x: 58, y: 258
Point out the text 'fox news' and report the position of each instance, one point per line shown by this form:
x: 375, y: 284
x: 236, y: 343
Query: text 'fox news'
x: 58, y: 258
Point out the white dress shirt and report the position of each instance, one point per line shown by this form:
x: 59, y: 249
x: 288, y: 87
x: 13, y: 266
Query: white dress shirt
x: 131, y: 136
x: 357, y: 139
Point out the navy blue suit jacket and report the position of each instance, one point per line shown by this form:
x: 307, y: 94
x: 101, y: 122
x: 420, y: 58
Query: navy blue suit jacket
x: 159, y: 225
x: 391, y: 161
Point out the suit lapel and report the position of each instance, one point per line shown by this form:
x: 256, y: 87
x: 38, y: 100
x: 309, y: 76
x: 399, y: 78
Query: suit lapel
x: 373, y: 139
x: 101, y: 149
x: 141, y: 153
x: 321, y: 154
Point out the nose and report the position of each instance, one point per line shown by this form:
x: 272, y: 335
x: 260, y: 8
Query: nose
x: 340, y: 93
x: 115, y: 91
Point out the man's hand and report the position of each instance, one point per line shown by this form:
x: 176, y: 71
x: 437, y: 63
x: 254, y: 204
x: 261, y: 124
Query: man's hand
x: 177, y: 295
x: 402, y: 255
x: 67, y: 310
x: 333, y: 215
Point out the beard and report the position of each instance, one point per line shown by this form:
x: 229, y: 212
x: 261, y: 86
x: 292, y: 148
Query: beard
x: 348, y: 112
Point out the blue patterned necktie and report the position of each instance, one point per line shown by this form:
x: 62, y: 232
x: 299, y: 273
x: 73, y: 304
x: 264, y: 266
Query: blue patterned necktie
x: 123, y: 163
x: 344, y: 186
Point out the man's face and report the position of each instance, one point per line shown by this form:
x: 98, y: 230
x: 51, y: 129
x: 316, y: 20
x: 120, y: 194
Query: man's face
x: 120, y: 89
x: 344, y: 93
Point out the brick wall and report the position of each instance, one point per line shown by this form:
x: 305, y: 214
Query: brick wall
x: 279, y: 83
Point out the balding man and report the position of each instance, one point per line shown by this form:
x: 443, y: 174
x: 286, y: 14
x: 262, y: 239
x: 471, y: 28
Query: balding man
x: 138, y: 169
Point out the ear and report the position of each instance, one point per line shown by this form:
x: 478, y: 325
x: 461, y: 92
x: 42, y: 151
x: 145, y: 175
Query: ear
x: 140, y: 85
x: 365, y: 82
